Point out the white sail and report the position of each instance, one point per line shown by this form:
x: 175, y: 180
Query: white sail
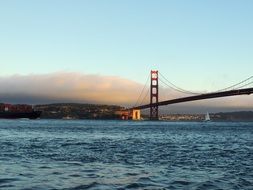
x: 207, y: 117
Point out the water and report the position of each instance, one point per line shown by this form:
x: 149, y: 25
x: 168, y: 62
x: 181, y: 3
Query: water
x: 57, y: 154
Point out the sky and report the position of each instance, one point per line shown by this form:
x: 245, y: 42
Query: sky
x: 198, y: 45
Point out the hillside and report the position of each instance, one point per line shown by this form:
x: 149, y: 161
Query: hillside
x: 78, y: 111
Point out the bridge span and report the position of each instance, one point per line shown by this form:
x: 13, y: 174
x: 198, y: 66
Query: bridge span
x: 134, y: 112
x: 245, y: 91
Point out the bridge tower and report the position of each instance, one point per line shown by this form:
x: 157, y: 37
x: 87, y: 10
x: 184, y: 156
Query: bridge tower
x: 154, y: 95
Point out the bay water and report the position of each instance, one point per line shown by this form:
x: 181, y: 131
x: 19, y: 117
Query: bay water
x: 86, y: 154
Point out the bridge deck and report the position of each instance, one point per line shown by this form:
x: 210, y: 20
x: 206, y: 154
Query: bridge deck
x: 245, y: 91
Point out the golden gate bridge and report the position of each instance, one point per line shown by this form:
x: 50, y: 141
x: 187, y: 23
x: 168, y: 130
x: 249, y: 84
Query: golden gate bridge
x: 154, y: 103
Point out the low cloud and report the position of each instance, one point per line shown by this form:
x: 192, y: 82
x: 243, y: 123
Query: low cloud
x: 68, y: 87
x: 83, y: 88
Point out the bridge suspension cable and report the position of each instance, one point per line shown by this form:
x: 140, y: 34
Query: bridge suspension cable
x: 174, y: 87
x: 144, y: 97
x: 247, y: 84
x: 141, y: 93
x: 171, y: 87
x: 234, y: 87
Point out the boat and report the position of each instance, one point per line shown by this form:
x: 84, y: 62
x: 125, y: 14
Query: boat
x: 19, y: 111
x: 68, y: 118
x: 207, y: 117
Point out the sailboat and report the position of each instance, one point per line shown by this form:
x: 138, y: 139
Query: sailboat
x: 207, y: 117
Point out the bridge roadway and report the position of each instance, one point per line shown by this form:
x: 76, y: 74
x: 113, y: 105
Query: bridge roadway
x: 245, y: 91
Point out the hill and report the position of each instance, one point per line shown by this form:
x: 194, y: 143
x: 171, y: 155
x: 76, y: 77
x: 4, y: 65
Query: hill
x: 78, y: 111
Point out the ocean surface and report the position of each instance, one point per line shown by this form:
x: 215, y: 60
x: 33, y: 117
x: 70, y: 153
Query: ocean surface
x: 81, y: 154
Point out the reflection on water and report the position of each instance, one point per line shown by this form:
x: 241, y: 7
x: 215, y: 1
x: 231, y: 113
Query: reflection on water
x: 55, y: 154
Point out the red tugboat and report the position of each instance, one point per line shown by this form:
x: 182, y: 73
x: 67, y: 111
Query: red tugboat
x: 9, y: 111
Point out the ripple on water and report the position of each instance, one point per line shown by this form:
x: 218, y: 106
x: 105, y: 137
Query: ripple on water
x: 207, y: 185
x: 92, y: 185
x: 7, y: 180
x: 6, y: 183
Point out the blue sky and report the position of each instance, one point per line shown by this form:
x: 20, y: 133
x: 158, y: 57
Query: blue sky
x: 199, y: 45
